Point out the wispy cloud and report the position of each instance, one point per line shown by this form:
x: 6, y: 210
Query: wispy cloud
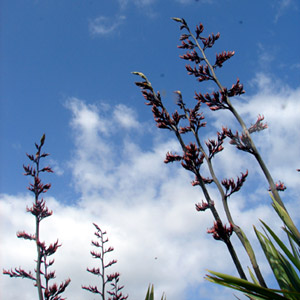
x: 144, y: 6
x: 140, y: 3
x: 193, y: 1
x: 103, y: 25
x: 125, y: 116
x: 281, y: 6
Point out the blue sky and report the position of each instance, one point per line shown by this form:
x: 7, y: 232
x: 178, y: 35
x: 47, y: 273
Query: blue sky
x: 66, y: 71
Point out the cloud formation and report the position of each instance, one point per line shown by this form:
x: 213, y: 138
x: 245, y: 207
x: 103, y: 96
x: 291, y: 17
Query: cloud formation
x: 103, y: 26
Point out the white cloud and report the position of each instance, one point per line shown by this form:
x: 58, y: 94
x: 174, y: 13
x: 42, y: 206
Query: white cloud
x: 125, y: 116
x: 103, y: 25
x: 147, y: 207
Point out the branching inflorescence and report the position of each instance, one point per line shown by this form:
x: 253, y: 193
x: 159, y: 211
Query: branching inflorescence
x: 40, y: 212
x: 115, y: 292
x: 194, y: 153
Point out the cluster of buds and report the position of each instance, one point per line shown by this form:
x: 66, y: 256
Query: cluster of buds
x: 222, y: 57
x: 53, y: 292
x: 216, y: 102
x: 202, y: 73
x: 258, y: 126
x: 279, y: 186
x: 195, y: 121
x: 206, y: 180
x: 193, y: 116
x: 192, y: 56
x: 220, y: 232
x: 215, y: 147
x: 203, y: 206
x: 161, y: 116
x: 210, y: 40
x: 231, y: 186
x: 192, y: 158
x: 237, y: 89
x: 186, y: 45
x: 242, y: 141
x: 115, y: 293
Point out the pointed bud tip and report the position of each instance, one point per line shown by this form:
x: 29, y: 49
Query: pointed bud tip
x: 177, y: 20
x: 139, y: 74
x: 43, y: 139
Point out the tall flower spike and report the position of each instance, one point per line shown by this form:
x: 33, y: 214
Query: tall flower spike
x: 101, y: 270
x: 40, y: 211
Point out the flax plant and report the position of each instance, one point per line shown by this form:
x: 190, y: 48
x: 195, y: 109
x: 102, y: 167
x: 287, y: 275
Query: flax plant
x: 190, y: 120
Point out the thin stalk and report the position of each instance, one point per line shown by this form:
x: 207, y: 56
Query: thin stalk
x: 103, y: 267
x: 37, y: 240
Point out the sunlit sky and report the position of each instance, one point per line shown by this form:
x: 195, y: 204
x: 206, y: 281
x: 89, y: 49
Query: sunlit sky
x: 66, y: 72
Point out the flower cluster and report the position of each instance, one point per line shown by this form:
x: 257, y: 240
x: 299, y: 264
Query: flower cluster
x: 222, y: 57
x: 115, y: 293
x: 216, y: 102
x: 203, y: 206
x: 231, y: 186
x: 221, y: 232
x: 258, y: 126
x: 242, y: 142
x: 279, y: 186
x: 215, y: 146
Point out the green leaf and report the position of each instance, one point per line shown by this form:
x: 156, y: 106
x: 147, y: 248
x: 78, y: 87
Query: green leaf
x: 150, y: 293
x: 273, y: 258
x: 283, y: 214
x: 294, y: 259
x: 295, y: 250
x: 253, y: 277
x: 251, y: 289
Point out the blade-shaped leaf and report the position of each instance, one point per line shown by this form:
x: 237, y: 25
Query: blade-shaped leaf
x: 253, y: 277
x: 150, y: 293
x: 283, y: 214
x: 248, y: 288
x: 273, y: 258
x: 294, y: 259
